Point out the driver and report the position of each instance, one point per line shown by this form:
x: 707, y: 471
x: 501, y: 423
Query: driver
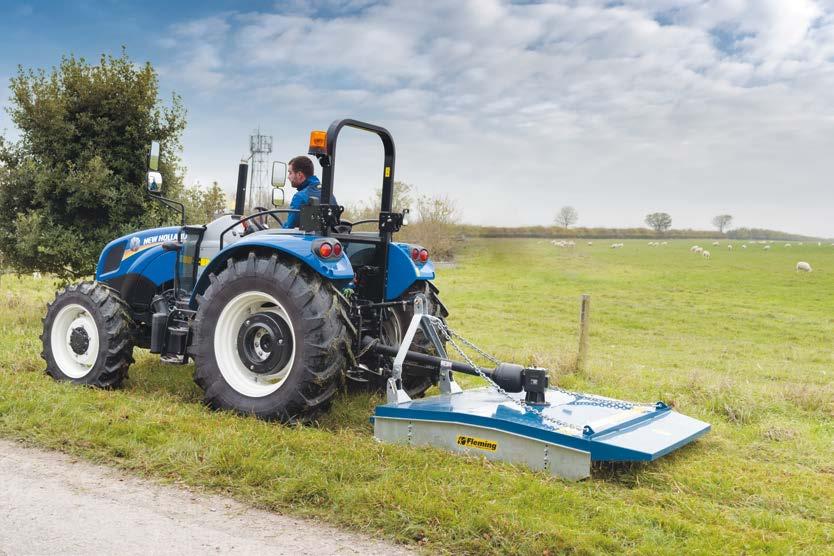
x: 308, y: 185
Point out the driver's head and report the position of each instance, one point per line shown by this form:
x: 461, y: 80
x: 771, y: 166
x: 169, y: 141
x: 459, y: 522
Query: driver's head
x: 300, y: 168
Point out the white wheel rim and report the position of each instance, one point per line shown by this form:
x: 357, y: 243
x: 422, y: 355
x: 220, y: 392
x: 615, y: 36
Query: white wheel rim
x: 234, y: 371
x: 71, y: 318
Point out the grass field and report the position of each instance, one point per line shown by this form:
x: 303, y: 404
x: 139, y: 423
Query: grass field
x: 740, y: 340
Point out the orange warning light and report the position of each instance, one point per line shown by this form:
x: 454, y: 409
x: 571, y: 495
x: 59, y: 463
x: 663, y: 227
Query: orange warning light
x: 318, y: 143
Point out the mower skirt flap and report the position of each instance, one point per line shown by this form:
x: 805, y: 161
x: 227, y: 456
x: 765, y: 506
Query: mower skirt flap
x: 574, y: 431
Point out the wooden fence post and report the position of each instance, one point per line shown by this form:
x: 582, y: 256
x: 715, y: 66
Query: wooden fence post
x: 584, y: 320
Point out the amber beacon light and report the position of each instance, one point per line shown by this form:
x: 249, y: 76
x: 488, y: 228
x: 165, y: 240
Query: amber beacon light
x: 318, y: 143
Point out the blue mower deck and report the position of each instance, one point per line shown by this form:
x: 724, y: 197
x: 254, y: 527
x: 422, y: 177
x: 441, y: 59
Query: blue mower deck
x: 484, y: 422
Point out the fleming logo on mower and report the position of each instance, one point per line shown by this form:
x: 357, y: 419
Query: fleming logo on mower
x: 479, y: 443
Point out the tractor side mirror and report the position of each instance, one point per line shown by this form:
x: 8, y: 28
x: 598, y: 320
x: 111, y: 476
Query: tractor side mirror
x: 153, y: 157
x: 279, y: 174
x: 154, y: 182
x: 277, y: 197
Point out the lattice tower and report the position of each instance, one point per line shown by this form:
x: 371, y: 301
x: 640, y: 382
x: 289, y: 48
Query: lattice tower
x: 260, y: 186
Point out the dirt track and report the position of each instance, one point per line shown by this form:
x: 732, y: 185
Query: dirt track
x: 52, y: 503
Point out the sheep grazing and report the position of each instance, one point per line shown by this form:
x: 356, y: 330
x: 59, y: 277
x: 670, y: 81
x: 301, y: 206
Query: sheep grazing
x: 705, y: 254
x: 744, y: 246
x: 715, y: 243
x: 563, y: 243
x: 766, y: 247
x: 664, y: 243
x: 699, y: 249
x: 802, y: 266
x: 590, y: 243
x: 800, y: 243
x: 694, y: 248
x: 616, y: 245
x: 730, y: 247
x: 787, y: 245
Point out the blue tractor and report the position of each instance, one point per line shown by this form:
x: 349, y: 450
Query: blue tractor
x: 274, y: 319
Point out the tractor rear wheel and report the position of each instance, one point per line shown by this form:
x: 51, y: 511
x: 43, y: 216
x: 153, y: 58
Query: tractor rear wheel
x: 271, y: 338
x: 88, y: 336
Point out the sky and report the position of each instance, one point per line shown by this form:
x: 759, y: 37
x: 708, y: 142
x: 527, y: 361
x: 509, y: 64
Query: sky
x: 512, y: 110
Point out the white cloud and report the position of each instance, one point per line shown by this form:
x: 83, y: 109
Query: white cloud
x: 197, y: 48
x: 688, y: 103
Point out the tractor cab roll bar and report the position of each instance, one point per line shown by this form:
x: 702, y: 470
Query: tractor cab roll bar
x: 327, y: 159
x: 326, y: 153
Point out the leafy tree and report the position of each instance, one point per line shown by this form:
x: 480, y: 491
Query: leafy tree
x: 432, y: 218
x: 722, y: 221
x: 203, y: 205
x: 75, y: 179
x: 403, y: 198
x: 659, y: 221
x: 567, y: 217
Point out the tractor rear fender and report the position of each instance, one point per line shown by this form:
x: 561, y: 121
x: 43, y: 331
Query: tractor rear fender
x: 403, y: 271
x: 298, y: 247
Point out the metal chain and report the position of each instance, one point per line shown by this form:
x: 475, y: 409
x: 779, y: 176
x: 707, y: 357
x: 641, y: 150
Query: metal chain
x: 581, y: 398
x: 521, y: 403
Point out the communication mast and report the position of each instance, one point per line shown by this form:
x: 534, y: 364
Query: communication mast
x: 260, y: 186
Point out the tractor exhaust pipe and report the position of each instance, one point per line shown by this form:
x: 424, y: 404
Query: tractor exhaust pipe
x: 508, y: 376
x: 240, y: 196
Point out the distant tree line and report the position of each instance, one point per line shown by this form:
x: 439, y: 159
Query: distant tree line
x: 548, y: 232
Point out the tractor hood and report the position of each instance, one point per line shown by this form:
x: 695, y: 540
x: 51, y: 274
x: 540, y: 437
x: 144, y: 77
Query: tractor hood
x: 130, y: 252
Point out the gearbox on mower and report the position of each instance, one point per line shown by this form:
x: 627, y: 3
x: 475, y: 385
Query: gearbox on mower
x: 276, y: 319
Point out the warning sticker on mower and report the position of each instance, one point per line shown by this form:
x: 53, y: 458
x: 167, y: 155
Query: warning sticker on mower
x: 479, y: 443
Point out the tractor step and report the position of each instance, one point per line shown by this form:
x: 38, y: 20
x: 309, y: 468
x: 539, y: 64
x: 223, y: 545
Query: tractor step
x: 562, y: 437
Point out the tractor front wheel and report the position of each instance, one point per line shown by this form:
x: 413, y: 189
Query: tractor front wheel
x: 271, y: 338
x: 88, y: 336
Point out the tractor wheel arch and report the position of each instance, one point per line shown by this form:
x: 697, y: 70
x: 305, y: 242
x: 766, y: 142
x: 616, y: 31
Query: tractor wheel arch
x: 242, y: 251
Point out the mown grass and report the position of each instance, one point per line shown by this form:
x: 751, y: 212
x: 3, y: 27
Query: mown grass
x: 740, y: 340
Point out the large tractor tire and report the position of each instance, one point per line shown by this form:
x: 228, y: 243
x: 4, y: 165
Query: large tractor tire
x: 271, y: 338
x: 88, y: 336
x: 415, y: 379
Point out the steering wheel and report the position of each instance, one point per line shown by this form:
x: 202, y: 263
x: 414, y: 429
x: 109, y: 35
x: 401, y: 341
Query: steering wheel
x: 272, y: 214
x: 343, y: 227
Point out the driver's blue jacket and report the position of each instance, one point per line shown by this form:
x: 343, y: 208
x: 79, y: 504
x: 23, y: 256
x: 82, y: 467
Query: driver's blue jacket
x: 311, y: 187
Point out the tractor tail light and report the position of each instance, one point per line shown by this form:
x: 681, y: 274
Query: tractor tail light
x: 424, y: 256
x: 415, y: 254
x: 327, y: 248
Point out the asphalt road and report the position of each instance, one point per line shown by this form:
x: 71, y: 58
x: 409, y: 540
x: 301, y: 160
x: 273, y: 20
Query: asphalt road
x: 51, y: 503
